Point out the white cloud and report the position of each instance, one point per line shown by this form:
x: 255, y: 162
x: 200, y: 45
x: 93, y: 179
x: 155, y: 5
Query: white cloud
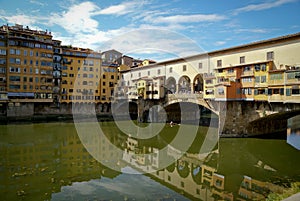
x: 153, y: 41
x: 37, y: 2
x: 219, y: 43
x: 77, y: 18
x: 121, y: 9
x: 187, y: 18
x: 262, y: 6
x: 20, y: 19
x: 251, y: 30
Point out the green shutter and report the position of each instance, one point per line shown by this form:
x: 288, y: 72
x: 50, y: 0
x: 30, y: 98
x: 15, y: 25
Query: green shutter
x: 288, y: 92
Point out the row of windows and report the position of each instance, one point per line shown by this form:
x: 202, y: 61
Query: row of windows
x: 30, y: 79
x: 31, y: 53
x: 82, y: 54
x: 249, y: 91
x: 25, y: 70
x: 269, y: 56
x: 18, y: 61
x: 29, y: 44
x: 29, y: 87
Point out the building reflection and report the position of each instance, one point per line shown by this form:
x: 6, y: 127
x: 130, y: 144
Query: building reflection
x: 210, y: 178
x: 36, y: 166
x: 293, y: 132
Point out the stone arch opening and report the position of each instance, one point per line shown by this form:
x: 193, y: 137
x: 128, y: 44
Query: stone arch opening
x: 184, y: 84
x: 171, y: 85
x: 198, y: 84
x: 183, y: 169
x: 196, y: 173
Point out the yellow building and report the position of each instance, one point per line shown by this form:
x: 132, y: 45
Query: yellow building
x: 28, y: 63
x: 81, y: 71
x: 266, y: 70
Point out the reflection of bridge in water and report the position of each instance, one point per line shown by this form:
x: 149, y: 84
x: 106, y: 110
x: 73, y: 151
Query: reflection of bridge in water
x: 49, y: 157
x: 233, y: 171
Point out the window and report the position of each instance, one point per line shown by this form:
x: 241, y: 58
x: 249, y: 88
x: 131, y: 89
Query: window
x: 103, y: 76
x: 276, y: 77
x: 103, y: 91
x: 247, y: 91
x: 257, y: 67
x: 220, y: 91
x: 2, y: 52
x: 184, y: 68
x: 25, y: 52
x: 139, y: 74
x: 182, y: 184
x: 263, y: 79
x: 18, y: 52
x: 2, y: 61
x: 171, y: 70
x: 263, y: 67
x: 200, y: 65
x: 12, y: 51
x: 14, y: 78
x: 270, y: 55
x: 242, y: 59
x: 219, y: 63
x: 148, y: 73
x: 247, y: 79
x: 158, y: 71
x: 257, y: 79
x: 2, y: 70
x: 230, y: 70
x: 112, y: 77
x: 14, y: 86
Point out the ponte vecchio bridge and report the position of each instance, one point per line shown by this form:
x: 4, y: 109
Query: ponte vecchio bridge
x: 253, y: 88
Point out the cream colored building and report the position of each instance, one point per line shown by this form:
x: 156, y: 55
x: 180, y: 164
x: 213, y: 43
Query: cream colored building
x: 267, y: 70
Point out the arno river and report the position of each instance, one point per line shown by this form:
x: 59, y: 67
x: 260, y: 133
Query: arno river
x: 47, y: 161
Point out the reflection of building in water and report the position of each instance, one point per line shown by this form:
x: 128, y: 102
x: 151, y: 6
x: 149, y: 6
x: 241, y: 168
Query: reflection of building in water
x: 252, y: 189
x: 293, y: 132
x: 198, y: 177
x: 35, y: 166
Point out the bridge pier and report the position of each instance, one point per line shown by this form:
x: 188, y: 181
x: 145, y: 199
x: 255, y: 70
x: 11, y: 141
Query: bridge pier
x: 236, y: 118
x: 244, y: 119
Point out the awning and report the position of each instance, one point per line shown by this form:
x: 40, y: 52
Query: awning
x: 20, y: 94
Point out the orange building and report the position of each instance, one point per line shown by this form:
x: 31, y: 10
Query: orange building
x: 26, y: 63
x: 80, y: 75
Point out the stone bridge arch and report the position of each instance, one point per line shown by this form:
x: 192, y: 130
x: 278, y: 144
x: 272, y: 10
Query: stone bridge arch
x: 184, y: 84
x: 171, y: 85
x: 198, y: 83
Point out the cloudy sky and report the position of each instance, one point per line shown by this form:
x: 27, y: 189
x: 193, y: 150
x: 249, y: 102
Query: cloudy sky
x: 178, y: 27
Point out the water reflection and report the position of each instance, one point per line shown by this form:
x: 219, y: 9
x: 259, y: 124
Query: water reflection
x: 48, y: 162
x: 293, y: 132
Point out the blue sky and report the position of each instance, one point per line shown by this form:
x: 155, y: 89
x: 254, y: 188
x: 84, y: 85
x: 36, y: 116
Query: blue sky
x: 142, y: 27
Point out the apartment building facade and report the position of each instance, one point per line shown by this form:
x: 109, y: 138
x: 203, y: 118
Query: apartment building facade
x: 262, y: 71
x: 26, y: 64
x: 80, y: 75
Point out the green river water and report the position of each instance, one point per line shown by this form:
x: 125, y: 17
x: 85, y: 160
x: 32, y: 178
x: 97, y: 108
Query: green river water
x: 47, y: 161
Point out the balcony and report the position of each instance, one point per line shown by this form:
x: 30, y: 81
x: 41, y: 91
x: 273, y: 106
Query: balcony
x: 247, y: 73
